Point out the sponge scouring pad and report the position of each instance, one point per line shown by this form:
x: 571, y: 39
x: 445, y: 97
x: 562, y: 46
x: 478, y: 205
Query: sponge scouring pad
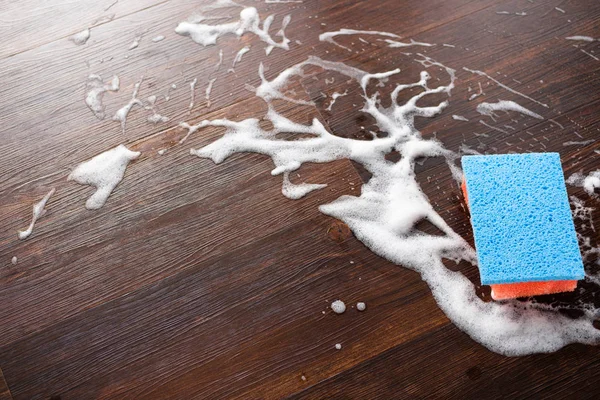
x: 524, y: 232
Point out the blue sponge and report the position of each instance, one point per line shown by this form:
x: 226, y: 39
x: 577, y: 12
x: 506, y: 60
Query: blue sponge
x: 521, y: 218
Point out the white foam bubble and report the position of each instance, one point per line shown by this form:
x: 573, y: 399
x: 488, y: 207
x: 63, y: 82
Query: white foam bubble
x: 104, y: 172
x: 158, y: 38
x: 360, y: 306
x: 338, y: 346
x: 81, y: 38
x: 338, y: 307
x: 38, y: 211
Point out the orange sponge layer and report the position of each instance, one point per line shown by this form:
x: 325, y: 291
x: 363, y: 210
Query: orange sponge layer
x: 525, y: 289
x: 506, y: 291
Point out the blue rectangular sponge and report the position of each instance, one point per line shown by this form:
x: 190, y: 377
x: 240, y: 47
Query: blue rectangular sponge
x: 521, y: 218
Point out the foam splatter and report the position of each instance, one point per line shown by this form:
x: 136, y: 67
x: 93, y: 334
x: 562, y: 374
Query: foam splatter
x: 589, y: 183
x: 391, y: 203
x: 249, y: 21
x: 121, y: 114
x: 504, y: 105
x: 38, y: 211
x: 96, y: 89
x: 104, y: 172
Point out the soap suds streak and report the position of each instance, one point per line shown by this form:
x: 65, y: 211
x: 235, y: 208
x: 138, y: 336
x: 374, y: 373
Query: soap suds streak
x: 397, y: 44
x: 459, y: 118
x: 96, y: 89
x: 334, y: 97
x: 136, y: 42
x: 158, y: 38
x: 238, y: 57
x: 582, y: 38
x: 329, y: 36
x: 590, y: 54
x: 104, y: 172
x: 39, y: 209
x: 504, y: 105
x: 209, y: 87
x: 481, y: 73
x: 249, y: 21
x: 383, y: 216
x: 121, y: 114
x: 192, y: 93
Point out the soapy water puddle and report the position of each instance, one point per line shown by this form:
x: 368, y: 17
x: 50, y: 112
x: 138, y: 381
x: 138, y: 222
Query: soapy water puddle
x: 390, y: 213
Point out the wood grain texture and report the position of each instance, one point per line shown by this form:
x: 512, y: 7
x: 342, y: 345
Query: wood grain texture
x: 198, y: 280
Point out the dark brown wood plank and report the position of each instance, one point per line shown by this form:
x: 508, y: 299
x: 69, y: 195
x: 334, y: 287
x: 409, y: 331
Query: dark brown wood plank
x: 4, y: 390
x: 202, y: 281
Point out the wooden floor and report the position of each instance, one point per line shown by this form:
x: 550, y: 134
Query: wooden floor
x: 198, y: 280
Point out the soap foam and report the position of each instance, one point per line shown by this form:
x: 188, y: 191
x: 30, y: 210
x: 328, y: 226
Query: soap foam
x: 249, y: 21
x: 504, y: 105
x: 121, y: 114
x: 38, y: 211
x: 96, y: 89
x: 14, y: 260
x: 81, y: 38
x: 104, y: 172
x: 238, y: 57
x: 391, y: 203
x: 581, y: 38
x: 338, y: 307
x: 589, y: 183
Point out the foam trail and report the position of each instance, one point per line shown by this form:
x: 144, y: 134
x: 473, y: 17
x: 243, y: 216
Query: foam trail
x: 104, y: 172
x: 297, y: 191
x: 192, y: 93
x: 396, y: 44
x: 135, y: 43
x: 208, y: 91
x: 38, y: 211
x: 238, y: 57
x: 590, y: 54
x: 329, y: 36
x: 481, y: 73
x: 504, y: 105
x: 121, y: 114
x: 249, y: 21
x: 391, y: 203
x: 96, y: 89
x: 459, y: 118
x: 582, y: 38
x: 218, y: 65
x: 158, y: 38
x: 334, y: 97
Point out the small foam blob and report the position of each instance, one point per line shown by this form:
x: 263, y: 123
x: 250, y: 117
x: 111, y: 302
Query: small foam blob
x: 360, y: 306
x: 338, y: 307
x: 81, y: 38
x: 96, y: 89
x: 338, y: 346
x: 14, y: 260
x: 104, y: 172
x: 589, y: 183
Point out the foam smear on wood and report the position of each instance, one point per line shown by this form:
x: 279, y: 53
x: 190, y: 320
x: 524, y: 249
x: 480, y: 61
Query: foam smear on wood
x: 391, y: 203
x: 104, y: 172
x: 123, y: 112
x: 96, y: 89
x: 504, y: 105
x: 249, y: 21
x: 38, y: 211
